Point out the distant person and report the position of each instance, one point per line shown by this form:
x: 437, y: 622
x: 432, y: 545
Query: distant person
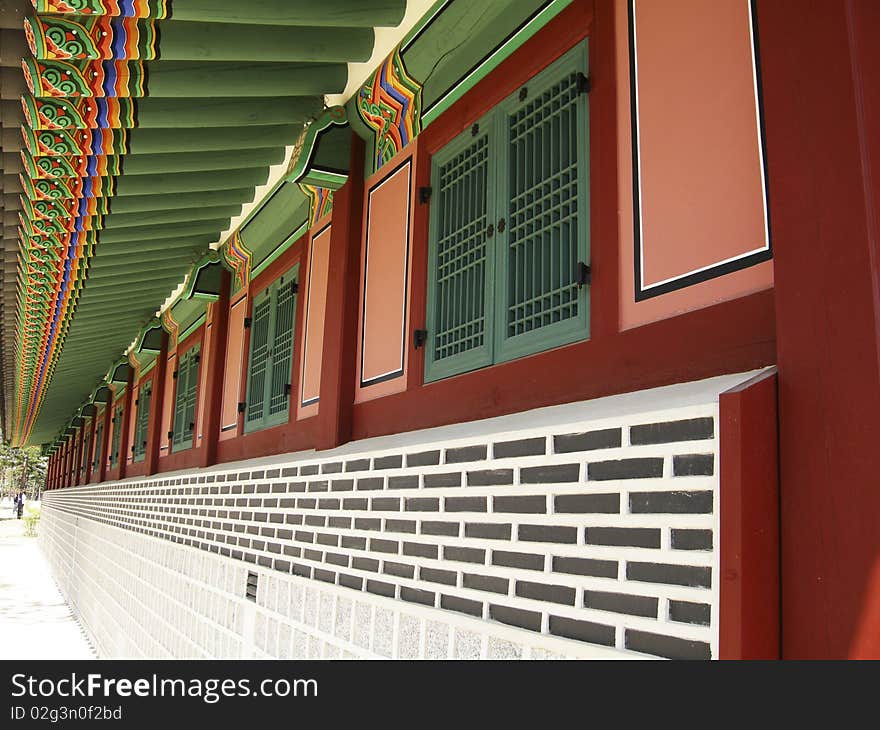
x: 18, y: 504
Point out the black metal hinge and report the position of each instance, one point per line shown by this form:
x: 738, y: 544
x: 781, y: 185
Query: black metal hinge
x: 419, y: 338
x: 475, y: 130
x: 294, y: 287
x: 197, y: 358
x: 287, y: 388
x: 174, y: 375
x: 584, y: 274
x: 425, y: 194
x: 241, y: 407
x: 247, y: 322
x: 170, y: 435
x: 584, y: 85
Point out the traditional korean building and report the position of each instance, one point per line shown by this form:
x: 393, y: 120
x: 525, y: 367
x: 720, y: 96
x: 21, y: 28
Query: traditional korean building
x: 522, y: 328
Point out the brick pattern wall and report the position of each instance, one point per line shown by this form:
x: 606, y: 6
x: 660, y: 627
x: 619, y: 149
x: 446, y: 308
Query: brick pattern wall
x: 599, y: 534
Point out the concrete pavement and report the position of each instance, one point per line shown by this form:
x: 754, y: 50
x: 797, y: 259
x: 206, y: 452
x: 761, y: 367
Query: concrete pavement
x: 35, y: 621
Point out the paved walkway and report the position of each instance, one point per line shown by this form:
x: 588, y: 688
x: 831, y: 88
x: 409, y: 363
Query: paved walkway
x: 35, y: 622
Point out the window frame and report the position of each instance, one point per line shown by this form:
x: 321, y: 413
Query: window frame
x: 290, y: 276
x: 142, y: 422
x: 193, y: 367
x: 498, y: 347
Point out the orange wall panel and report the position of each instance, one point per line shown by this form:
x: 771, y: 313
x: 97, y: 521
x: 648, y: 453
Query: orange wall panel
x: 385, y: 263
x: 233, y: 368
x: 691, y: 159
x: 313, y: 331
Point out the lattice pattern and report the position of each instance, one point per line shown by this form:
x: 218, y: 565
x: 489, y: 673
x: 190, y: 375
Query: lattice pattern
x: 259, y: 360
x: 461, y: 258
x: 282, y: 349
x: 543, y: 187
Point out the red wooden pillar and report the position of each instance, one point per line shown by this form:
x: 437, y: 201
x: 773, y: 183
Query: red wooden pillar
x: 68, y: 460
x: 338, y: 364
x: 78, y: 439
x: 216, y: 357
x: 56, y: 458
x: 125, y: 424
x: 87, y: 452
x: 157, y: 403
x: 50, y: 468
x: 104, y: 446
x: 821, y: 70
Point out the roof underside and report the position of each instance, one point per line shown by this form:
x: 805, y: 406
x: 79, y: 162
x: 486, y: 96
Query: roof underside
x: 129, y: 144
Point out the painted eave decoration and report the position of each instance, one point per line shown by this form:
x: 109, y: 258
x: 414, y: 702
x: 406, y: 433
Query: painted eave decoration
x: 133, y: 131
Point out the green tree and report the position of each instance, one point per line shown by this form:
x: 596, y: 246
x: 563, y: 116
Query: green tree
x: 22, y: 468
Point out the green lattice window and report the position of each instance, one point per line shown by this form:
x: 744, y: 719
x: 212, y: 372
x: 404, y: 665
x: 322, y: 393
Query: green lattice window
x: 270, y: 360
x: 142, y: 422
x: 187, y: 376
x: 99, y: 435
x: 509, y: 227
x: 117, y: 422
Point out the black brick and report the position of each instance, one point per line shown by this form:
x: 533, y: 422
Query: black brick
x: 466, y: 504
x: 334, y: 467
x: 336, y: 559
x: 370, y: 483
x: 433, y: 575
x: 328, y: 539
x: 671, y: 502
x: 357, y: 465
x: 422, y: 504
x: 693, y: 465
x: 440, y: 528
x: 290, y: 471
x: 303, y: 570
x: 306, y: 503
x: 690, y: 613
x: 305, y: 536
x: 666, y: 646
x: 550, y: 474
x: 388, y: 462
x: 308, y: 470
x: 354, y: 543
x: 328, y: 504
x: 282, y: 565
x: 680, y: 575
x: 351, y: 581
x: 587, y: 503
x: 380, y: 588
x: 529, y: 504
x: 401, y: 570
x: 521, y: 447
x: 448, y: 479
x: 292, y: 551
x: 608, y: 438
x: 487, y: 530
x: 691, y: 539
x: 489, y: 583
x: 545, y: 592
x: 515, y: 617
x: 526, y: 561
x: 355, y: 503
x: 585, y: 566
x: 365, y: 564
x: 414, y: 595
x: 424, y: 458
x: 321, y: 486
x: 367, y: 523
x: 315, y: 555
x: 489, y: 477
x: 407, y: 482
x: 646, y: 468
x: 340, y: 522
x: 384, y: 546
x: 420, y: 550
x: 462, y: 605
x: 464, y: 555
x: 644, y: 537
x: 694, y: 429
x: 548, y: 533
x: 386, y: 504
x: 328, y: 576
x: 466, y: 453
x: 400, y: 526
x: 621, y: 603
x: 570, y: 628
x: 342, y: 485
x: 315, y: 520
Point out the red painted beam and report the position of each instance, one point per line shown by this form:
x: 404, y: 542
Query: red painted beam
x: 749, y: 511
x: 819, y: 63
x: 339, y: 356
